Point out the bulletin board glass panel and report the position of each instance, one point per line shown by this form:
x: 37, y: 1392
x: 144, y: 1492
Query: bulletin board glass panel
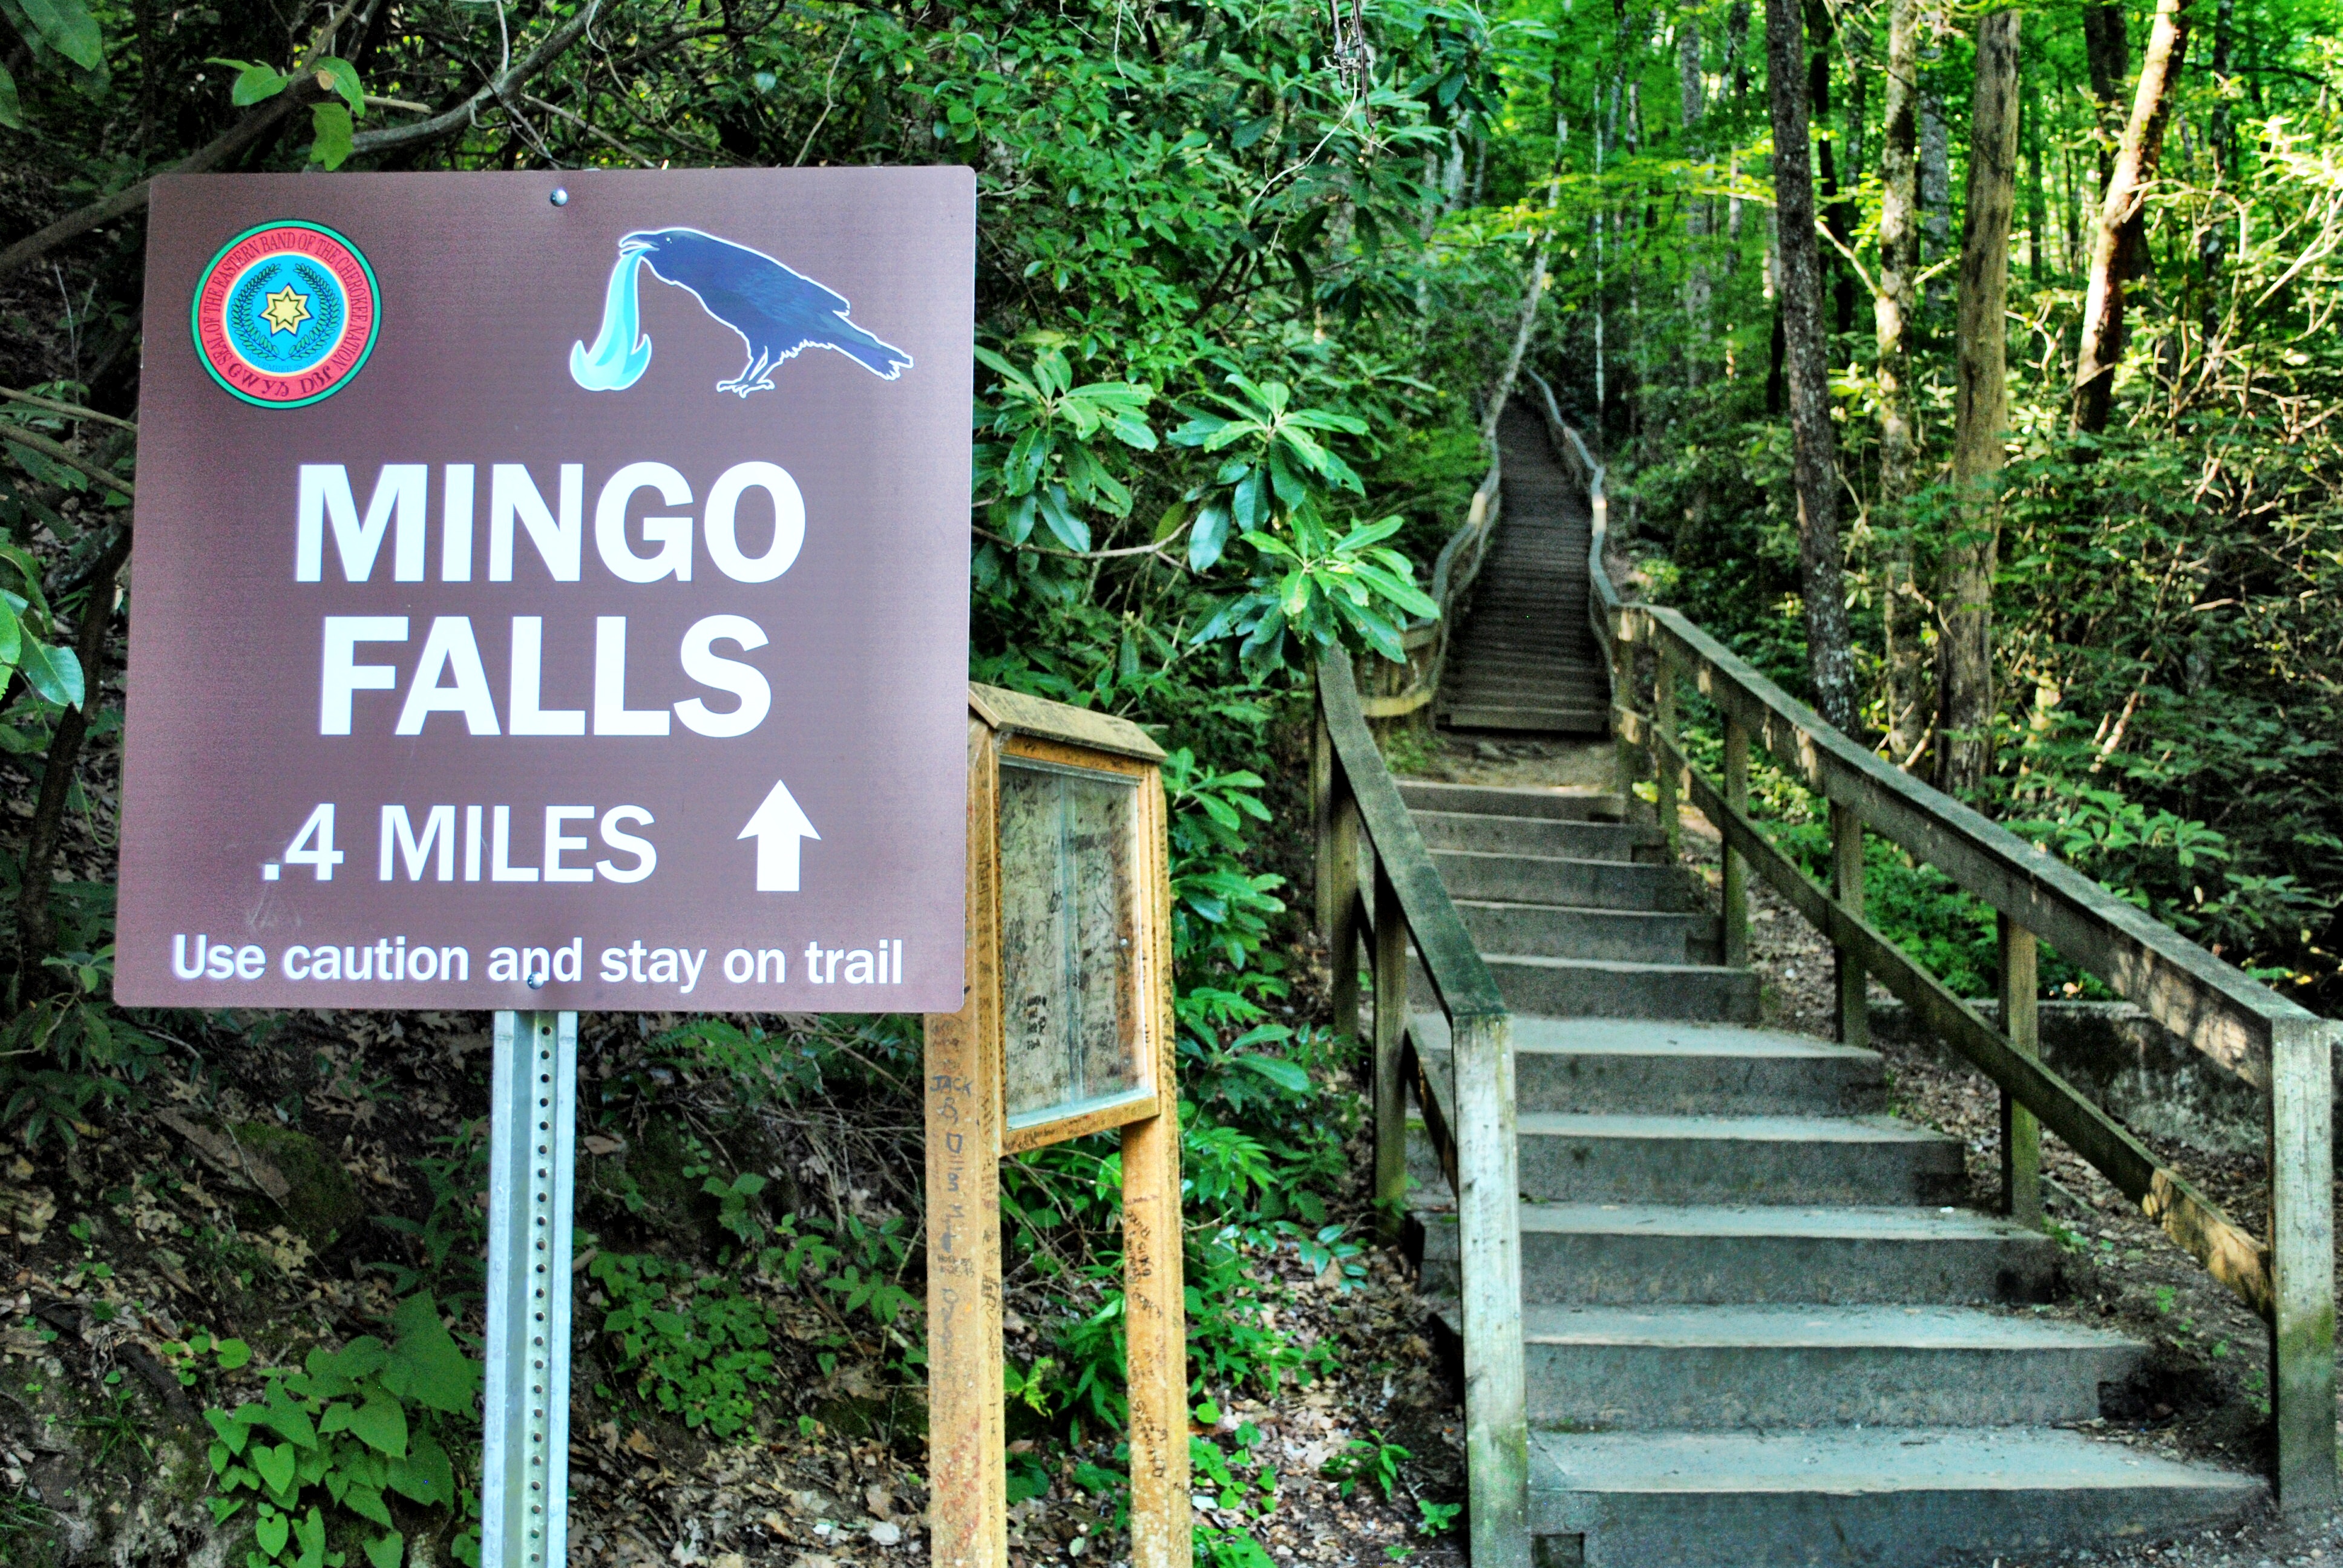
x: 1069, y: 864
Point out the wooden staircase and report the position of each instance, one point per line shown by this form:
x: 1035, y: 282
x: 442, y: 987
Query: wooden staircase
x: 1757, y: 1327
x: 1524, y: 657
x: 1715, y: 1308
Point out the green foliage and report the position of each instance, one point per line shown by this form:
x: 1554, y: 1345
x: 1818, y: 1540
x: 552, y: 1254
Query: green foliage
x: 1241, y: 1480
x: 1364, y: 1459
x: 693, y: 1344
x: 450, y: 1242
x: 324, y: 1450
x: 1047, y: 468
x: 70, y: 1053
x: 27, y: 628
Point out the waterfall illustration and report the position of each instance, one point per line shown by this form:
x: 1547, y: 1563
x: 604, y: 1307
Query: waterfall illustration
x: 618, y: 357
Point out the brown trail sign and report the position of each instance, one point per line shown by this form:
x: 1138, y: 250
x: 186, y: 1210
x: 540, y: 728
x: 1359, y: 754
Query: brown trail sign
x: 521, y: 564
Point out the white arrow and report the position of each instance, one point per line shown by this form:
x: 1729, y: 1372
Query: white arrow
x: 778, y: 826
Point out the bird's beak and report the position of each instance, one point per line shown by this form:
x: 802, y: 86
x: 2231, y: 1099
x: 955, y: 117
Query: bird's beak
x: 634, y: 244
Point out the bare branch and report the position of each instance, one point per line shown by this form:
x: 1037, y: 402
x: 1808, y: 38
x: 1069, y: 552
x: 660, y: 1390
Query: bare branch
x: 464, y: 116
x: 18, y: 436
x: 70, y: 410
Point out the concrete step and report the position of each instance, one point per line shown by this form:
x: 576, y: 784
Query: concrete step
x: 1534, y: 720
x: 1559, y: 931
x: 1625, y: 1254
x: 1554, y: 804
x: 1895, y: 1497
x: 1558, y: 880
x: 1622, y: 1066
x: 1793, y: 1159
x: 1610, y: 988
x: 1481, y: 830
x: 1705, y: 1368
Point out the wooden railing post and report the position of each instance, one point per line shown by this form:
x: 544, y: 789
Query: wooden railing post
x: 1736, y: 870
x: 1339, y: 896
x: 1321, y: 822
x: 1488, y: 1238
x: 2302, y: 1260
x: 1390, y: 1037
x: 1847, y: 878
x: 2021, y: 1134
x: 1663, y: 719
x: 1622, y: 696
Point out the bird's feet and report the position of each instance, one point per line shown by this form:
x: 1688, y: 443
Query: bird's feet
x: 743, y: 386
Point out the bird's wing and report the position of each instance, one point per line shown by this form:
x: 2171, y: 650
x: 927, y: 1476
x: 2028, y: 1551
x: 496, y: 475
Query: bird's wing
x: 783, y: 293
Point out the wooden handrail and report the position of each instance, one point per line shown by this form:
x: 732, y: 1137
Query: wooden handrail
x: 1411, y: 907
x: 1454, y: 964
x: 2282, y: 1049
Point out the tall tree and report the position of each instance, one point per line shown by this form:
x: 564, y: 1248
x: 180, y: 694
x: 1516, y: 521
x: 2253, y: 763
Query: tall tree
x: 1892, y: 309
x: 1838, y: 212
x: 2121, y: 213
x: 1830, y: 659
x: 1980, y: 415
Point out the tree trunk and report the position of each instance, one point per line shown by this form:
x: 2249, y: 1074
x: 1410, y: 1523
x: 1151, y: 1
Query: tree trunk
x: 1935, y: 190
x: 2107, y: 53
x: 35, y: 931
x: 2212, y: 240
x: 1981, y: 416
x: 1830, y: 660
x: 1892, y: 307
x: 1691, y: 104
x: 1838, y: 214
x: 2120, y: 212
x: 2037, y: 205
x: 1530, y: 300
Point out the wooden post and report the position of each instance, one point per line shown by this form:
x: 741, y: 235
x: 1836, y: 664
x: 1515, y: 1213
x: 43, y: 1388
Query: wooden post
x: 1847, y: 876
x: 1339, y: 896
x: 1664, y: 774
x: 1623, y: 696
x: 1489, y: 1239
x: 2021, y: 1134
x: 1322, y: 816
x: 1155, y: 1309
x: 1736, y: 870
x: 1391, y: 1035
x: 968, y: 1482
x: 2302, y: 1258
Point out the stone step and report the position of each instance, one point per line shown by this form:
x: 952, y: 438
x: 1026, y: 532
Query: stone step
x: 1886, y: 1495
x: 1707, y: 1368
x: 1555, y: 804
x: 1612, y: 988
x: 1560, y: 931
x: 1482, y: 831
x: 1559, y: 880
x: 1625, y: 1254
x: 1673, y: 1068
x: 1569, y: 1158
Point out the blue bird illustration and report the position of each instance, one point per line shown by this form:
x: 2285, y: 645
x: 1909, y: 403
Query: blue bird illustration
x: 778, y: 312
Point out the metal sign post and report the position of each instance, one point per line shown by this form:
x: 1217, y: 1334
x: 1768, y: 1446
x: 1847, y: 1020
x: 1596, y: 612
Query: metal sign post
x: 532, y: 1160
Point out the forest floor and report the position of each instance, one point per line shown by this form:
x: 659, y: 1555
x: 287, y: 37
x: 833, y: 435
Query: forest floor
x: 114, y: 1251
x: 2203, y: 1393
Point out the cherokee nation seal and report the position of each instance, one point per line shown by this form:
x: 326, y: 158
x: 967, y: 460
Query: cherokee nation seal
x: 286, y: 314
